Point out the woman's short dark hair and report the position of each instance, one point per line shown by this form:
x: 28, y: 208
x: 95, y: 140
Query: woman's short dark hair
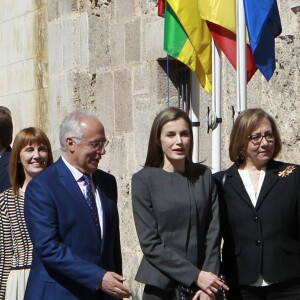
x: 26, y: 136
x: 244, y: 126
x: 155, y: 155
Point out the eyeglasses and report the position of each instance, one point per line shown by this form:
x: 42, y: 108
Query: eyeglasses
x: 256, y: 138
x: 95, y: 145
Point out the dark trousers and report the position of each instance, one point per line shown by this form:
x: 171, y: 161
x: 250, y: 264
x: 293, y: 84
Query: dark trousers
x: 155, y: 293
x: 289, y: 290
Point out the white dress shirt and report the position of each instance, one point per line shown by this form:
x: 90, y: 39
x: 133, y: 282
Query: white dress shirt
x: 78, y: 177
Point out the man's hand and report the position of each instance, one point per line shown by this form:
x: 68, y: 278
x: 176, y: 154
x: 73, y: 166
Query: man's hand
x: 112, y: 284
x: 210, y: 283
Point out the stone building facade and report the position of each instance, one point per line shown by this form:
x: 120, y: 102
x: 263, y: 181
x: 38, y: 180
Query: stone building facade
x: 106, y: 56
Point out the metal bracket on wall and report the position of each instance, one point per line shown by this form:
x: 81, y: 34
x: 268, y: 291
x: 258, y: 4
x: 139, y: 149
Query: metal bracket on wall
x: 212, y: 120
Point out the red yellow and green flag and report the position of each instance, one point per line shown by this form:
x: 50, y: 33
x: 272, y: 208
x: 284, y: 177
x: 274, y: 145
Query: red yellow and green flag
x: 187, y: 38
x: 190, y: 24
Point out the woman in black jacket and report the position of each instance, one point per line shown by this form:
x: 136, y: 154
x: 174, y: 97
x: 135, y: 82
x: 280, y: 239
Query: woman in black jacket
x: 260, y: 213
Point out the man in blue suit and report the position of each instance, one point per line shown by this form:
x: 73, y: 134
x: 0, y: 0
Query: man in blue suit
x: 72, y: 218
x: 6, y: 132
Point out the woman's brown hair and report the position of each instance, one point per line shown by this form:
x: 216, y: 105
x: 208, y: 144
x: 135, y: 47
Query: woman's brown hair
x: 155, y: 156
x: 243, y: 127
x: 26, y: 136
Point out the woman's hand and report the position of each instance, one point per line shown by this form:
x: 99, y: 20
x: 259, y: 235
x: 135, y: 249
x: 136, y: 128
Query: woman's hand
x: 210, y: 283
x: 200, y: 295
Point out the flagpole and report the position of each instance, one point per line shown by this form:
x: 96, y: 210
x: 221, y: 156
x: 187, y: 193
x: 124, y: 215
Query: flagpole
x: 241, y: 57
x: 216, y: 107
x: 194, y: 115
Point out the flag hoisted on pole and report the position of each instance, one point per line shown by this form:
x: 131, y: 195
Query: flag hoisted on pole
x: 263, y: 23
x: 221, y: 20
x: 189, y: 26
x: 187, y: 38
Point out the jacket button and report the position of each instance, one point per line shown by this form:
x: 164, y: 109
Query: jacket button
x: 258, y: 242
x: 255, y: 219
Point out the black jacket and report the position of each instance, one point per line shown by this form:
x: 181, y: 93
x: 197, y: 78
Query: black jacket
x: 4, y: 170
x: 264, y: 239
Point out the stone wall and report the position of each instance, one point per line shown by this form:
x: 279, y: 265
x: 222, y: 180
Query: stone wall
x: 101, y: 55
x: 279, y: 96
x: 24, y: 62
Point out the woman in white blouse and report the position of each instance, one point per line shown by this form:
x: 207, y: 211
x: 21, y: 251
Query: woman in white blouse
x: 259, y: 208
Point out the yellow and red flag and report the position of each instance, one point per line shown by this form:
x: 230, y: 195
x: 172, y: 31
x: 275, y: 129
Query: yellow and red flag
x: 221, y: 20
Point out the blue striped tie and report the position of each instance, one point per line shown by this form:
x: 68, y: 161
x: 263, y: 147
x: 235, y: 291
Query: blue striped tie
x: 90, y: 199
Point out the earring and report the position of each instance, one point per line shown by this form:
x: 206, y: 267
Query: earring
x: 241, y: 157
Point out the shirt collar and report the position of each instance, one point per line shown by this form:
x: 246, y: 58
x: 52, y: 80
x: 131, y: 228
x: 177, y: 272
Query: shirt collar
x: 76, y: 173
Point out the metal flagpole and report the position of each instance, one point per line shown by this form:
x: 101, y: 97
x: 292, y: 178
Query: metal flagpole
x: 216, y: 107
x: 194, y: 115
x: 241, y: 57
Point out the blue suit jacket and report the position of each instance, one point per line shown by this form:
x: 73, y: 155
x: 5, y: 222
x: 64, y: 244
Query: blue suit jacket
x: 69, y: 258
x: 4, y: 170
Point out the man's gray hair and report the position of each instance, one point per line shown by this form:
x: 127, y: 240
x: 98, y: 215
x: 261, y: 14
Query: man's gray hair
x: 70, y: 126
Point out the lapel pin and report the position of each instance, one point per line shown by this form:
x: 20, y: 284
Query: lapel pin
x: 287, y: 171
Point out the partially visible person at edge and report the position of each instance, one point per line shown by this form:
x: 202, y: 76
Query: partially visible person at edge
x: 72, y: 218
x: 260, y: 213
x: 6, y: 133
x: 30, y: 155
x: 176, y: 214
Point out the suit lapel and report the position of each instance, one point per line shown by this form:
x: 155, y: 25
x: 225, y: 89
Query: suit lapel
x: 234, y: 179
x: 271, y: 178
x: 68, y: 181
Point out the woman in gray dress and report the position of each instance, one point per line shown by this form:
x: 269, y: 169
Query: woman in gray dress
x: 176, y: 214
